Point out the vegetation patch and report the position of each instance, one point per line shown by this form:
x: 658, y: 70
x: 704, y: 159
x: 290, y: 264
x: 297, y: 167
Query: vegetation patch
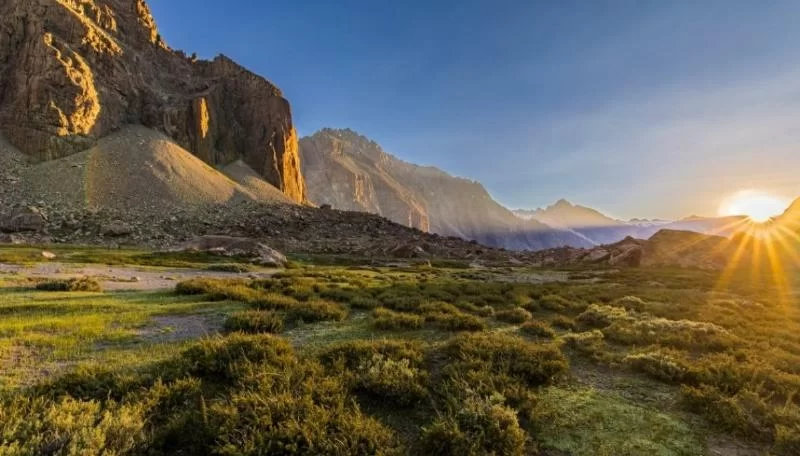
x: 255, y: 321
x: 396, y: 321
x: 588, y: 422
x: 79, y: 284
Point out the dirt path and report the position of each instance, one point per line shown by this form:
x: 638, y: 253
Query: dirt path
x: 118, y: 278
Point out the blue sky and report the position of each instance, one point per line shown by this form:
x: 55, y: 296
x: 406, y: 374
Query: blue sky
x: 638, y: 108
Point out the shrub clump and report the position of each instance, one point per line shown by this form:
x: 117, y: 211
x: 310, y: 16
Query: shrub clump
x: 538, y: 329
x: 384, y: 369
x: 516, y: 315
x: 390, y: 320
x: 218, y: 290
x: 448, y: 318
x: 237, y: 268
x: 77, y: 284
x: 274, y: 301
x: 658, y: 365
x: 600, y: 316
x: 563, y: 322
x: 255, y: 321
x: 315, y: 311
x: 478, y: 427
x: 496, y: 362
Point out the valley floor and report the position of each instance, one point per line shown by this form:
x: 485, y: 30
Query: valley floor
x: 181, y: 354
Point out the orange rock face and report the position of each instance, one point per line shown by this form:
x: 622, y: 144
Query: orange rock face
x: 72, y: 71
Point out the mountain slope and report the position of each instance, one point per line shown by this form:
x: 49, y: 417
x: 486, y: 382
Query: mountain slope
x: 351, y: 172
x: 73, y: 72
x: 139, y: 170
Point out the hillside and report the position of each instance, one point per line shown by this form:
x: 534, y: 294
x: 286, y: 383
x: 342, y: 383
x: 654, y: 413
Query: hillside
x: 75, y: 72
x: 139, y: 170
x: 350, y: 172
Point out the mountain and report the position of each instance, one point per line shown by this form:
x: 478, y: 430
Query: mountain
x: 600, y: 229
x: 351, y: 172
x: 74, y: 72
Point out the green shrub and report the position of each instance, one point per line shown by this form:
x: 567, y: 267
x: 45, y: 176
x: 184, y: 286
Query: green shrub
x: 658, y: 365
x: 497, y: 362
x: 555, y: 303
x: 384, y: 369
x: 600, y: 316
x: 254, y: 321
x: 515, y: 316
x: 230, y: 267
x: 316, y: 310
x: 70, y: 426
x: 295, y: 410
x: 590, y: 342
x: 81, y: 284
x: 539, y: 329
x: 363, y: 303
x: 390, y: 320
x: 218, y: 290
x: 221, y: 358
x: 274, y: 301
x: 478, y: 427
x: 563, y: 322
x: 631, y: 303
x: 447, y: 317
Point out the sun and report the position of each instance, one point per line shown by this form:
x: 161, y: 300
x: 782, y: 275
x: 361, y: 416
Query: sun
x: 758, y: 206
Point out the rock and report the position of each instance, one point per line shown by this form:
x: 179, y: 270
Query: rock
x: 21, y: 220
x: 48, y: 255
x: 597, y: 256
x: 631, y: 256
x: 116, y: 228
x: 14, y: 239
x: 74, y: 71
x: 408, y: 251
x: 230, y: 246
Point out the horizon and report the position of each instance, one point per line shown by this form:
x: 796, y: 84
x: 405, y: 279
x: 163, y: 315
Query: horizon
x: 567, y: 97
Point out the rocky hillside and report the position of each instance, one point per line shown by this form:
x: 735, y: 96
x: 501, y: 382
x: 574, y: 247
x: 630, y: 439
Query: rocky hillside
x: 74, y: 71
x: 350, y: 172
x: 666, y: 248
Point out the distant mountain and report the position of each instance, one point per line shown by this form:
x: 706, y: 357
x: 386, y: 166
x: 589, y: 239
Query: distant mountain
x: 598, y: 228
x: 351, y: 172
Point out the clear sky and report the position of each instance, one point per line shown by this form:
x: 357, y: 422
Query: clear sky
x: 638, y: 108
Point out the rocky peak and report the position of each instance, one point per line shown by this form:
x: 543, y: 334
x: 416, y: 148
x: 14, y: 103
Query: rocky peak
x: 73, y: 71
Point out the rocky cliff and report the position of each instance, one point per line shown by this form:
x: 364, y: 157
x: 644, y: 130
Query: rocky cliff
x: 350, y: 172
x: 73, y: 71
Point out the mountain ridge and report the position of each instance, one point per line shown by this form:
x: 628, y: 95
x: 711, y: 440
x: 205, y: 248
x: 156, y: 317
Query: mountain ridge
x: 351, y: 172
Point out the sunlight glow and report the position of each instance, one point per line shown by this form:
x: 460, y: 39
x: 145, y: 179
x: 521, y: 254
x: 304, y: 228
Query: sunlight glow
x: 758, y: 206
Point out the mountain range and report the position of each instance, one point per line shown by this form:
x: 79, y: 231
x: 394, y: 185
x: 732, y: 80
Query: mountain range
x: 98, y: 113
x: 348, y: 171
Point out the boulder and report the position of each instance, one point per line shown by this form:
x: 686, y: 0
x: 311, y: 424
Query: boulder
x: 408, y: 250
x: 6, y: 238
x: 231, y: 246
x: 21, y: 220
x: 116, y: 228
x: 597, y: 256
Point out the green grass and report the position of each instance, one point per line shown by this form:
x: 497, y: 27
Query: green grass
x: 586, y: 421
x: 432, y: 359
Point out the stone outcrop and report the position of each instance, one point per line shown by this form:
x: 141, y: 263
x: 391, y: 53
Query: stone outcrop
x: 73, y: 71
x: 350, y: 172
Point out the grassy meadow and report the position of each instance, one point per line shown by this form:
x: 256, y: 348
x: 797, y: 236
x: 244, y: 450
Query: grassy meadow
x: 439, y: 360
